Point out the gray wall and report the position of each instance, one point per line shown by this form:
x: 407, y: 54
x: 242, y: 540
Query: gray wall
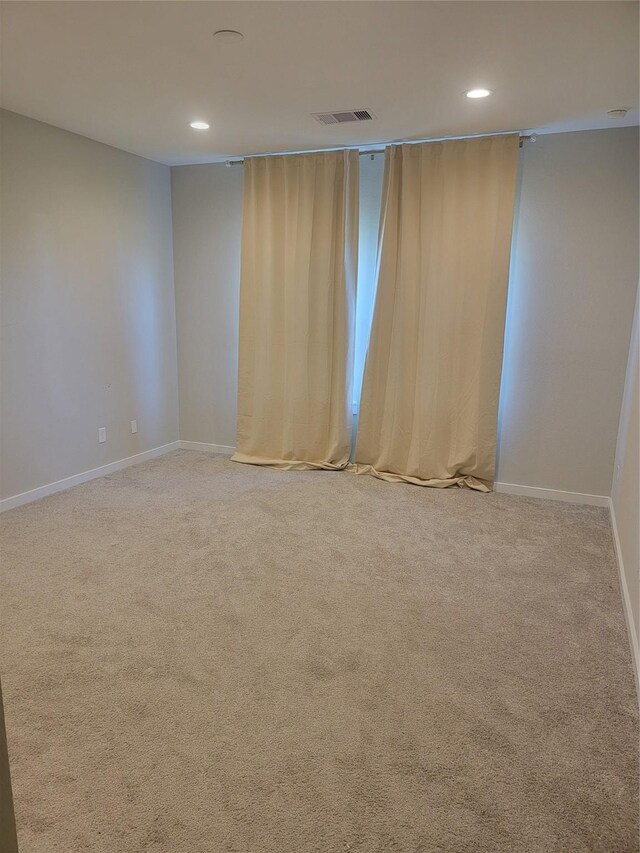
x: 87, y: 311
x: 574, y: 275
x: 207, y: 226
x: 571, y: 298
x: 625, y: 495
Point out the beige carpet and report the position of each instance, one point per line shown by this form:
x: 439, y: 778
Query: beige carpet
x: 202, y: 657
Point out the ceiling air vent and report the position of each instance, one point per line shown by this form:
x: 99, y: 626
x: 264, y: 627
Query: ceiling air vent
x: 343, y: 116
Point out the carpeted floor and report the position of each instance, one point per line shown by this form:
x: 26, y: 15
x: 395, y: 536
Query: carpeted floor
x: 203, y: 657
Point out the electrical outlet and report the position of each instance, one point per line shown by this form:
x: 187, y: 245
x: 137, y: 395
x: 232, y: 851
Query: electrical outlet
x: 134, y: 427
x: 102, y: 435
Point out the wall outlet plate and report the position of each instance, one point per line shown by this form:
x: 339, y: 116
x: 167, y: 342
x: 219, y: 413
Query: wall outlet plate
x: 102, y: 435
x: 134, y: 427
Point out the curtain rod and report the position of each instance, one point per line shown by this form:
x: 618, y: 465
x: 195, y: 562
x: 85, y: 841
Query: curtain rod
x: 232, y: 161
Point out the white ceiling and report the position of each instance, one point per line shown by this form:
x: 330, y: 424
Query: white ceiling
x: 133, y: 74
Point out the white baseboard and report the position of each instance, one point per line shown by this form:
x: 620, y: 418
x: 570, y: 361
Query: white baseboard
x: 505, y: 488
x: 207, y: 448
x: 551, y: 494
x: 228, y: 450
x: 626, y: 600
x: 85, y: 476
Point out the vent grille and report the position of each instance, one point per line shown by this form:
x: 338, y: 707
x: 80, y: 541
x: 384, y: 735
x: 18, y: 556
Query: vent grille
x: 343, y: 116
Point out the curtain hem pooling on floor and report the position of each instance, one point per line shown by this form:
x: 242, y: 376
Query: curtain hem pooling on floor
x: 463, y: 481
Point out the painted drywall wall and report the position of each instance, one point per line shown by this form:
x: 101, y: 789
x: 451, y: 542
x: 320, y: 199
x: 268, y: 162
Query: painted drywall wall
x: 88, y: 310
x: 207, y: 225
x: 571, y: 298
x: 574, y: 274
x: 625, y: 495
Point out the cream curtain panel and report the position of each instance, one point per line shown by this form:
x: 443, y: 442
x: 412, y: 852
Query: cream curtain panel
x: 297, y: 310
x: 429, y: 406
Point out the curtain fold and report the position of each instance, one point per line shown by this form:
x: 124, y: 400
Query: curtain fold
x: 297, y: 310
x: 429, y: 405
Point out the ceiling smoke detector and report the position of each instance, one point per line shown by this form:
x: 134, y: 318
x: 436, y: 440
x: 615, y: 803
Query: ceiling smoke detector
x: 617, y: 114
x: 343, y: 116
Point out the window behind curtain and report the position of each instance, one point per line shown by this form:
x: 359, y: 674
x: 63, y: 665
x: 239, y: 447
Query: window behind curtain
x: 371, y: 172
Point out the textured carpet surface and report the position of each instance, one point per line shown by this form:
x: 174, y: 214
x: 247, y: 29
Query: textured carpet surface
x: 200, y: 656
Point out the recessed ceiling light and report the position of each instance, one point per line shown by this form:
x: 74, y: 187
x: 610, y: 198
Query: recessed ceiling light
x: 478, y: 93
x: 228, y: 36
x: 199, y: 125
